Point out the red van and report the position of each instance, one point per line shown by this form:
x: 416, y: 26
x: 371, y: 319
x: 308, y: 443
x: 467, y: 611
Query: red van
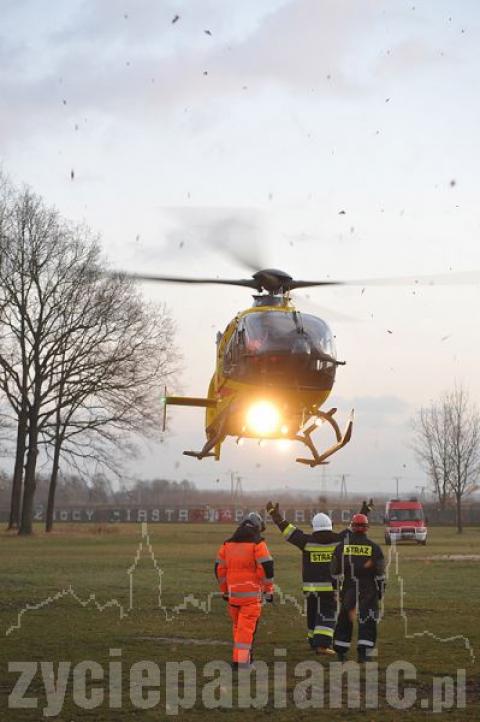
x: 405, y: 520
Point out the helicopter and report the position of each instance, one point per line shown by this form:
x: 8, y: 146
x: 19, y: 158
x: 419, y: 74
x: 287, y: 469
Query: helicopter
x: 275, y: 369
x: 276, y: 366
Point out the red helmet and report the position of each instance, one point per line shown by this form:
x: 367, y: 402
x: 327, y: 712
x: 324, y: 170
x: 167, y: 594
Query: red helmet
x: 359, y: 523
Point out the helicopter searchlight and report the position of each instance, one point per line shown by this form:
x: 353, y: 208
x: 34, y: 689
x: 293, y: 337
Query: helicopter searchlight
x: 263, y: 418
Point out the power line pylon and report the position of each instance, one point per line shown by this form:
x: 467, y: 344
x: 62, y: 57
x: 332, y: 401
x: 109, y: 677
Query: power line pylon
x: 343, y: 487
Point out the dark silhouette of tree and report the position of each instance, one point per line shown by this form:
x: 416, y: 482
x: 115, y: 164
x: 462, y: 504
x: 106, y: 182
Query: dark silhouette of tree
x: 82, y: 356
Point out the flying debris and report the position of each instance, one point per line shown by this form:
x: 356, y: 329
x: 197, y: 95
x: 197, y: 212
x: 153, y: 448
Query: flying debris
x: 387, y: 100
x: 205, y: 72
x: 175, y: 19
x: 388, y: 331
x: 453, y: 182
x: 72, y: 175
x: 207, y: 32
x: 342, y: 213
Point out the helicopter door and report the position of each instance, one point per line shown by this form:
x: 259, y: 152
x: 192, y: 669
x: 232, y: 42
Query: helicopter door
x: 233, y: 358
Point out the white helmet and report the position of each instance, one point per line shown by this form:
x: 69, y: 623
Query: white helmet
x: 321, y: 522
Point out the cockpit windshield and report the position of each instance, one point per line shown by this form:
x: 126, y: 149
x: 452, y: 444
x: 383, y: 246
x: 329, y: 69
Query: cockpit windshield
x: 288, y: 349
x: 271, y: 332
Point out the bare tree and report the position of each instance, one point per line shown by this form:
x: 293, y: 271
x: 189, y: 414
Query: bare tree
x: 447, y: 445
x: 28, y: 233
x: 5, y: 427
x: 80, y: 352
x: 431, y: 445
x: 464, y: 442
x: 108, y: 384
x: 13, y: 354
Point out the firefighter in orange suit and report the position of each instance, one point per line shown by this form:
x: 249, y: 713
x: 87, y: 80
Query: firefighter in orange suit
x: 244, y: 571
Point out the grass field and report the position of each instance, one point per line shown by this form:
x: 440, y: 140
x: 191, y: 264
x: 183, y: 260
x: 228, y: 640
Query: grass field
x: 440, y: 600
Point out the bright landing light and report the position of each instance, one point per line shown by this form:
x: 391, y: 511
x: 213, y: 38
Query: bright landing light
x: 263, y: 418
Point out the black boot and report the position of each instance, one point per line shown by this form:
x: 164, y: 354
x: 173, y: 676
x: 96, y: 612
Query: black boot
x: 362, y: 655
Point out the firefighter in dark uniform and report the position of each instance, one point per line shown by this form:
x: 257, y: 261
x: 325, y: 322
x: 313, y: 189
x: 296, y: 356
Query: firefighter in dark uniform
x: 360, y: 563
x: 318, y: 585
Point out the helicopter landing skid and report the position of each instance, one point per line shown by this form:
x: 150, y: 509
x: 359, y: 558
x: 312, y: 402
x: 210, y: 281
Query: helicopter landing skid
x: 199, y: 454
x: 342, y: 439
x: 213, y: 441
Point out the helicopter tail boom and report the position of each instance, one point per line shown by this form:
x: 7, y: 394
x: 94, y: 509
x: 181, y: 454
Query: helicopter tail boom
x: 190, y: 401
x: 184, y: 401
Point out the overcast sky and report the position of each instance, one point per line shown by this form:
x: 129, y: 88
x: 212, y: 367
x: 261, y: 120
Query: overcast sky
x: 252, y: 125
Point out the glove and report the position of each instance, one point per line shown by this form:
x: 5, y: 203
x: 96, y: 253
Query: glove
x: 380, y: 589
x: 268, y: 597
x: 274, y: 512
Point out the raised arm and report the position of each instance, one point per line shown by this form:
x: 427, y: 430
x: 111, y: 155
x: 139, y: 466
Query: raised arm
x: 290, y: 532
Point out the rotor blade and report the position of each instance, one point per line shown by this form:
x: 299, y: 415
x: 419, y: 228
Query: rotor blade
x: 309, y: 305
x: 453, y: 278
x: 292, y: 285
x: 249, y: 283
x: 237, y: 233
x: 239, y: 243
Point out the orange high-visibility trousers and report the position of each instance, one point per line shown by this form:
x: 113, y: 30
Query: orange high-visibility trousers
x: 245, y: 619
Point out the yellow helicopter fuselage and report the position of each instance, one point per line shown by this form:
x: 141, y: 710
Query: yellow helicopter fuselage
x: 293, y: 405
x: 271, y: 380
